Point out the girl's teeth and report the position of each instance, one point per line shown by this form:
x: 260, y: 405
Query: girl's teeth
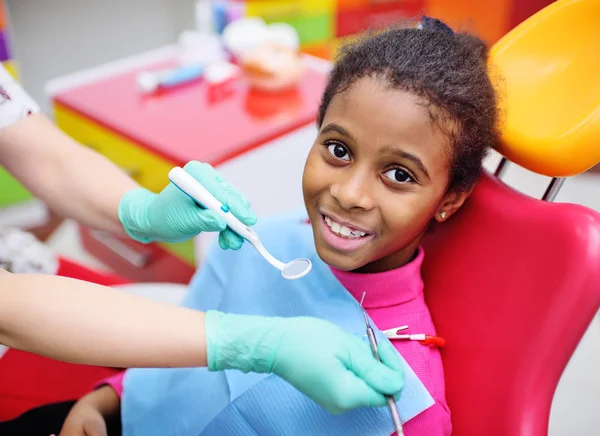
x: 343, y: 230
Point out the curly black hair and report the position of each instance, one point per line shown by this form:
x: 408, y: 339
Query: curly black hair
x: 447, y: 70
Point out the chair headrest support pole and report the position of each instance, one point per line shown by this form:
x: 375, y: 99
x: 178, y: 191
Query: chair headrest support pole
x: 553, y: 188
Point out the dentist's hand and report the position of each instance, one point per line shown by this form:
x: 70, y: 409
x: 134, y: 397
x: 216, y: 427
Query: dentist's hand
x: 335, y: 369
x: 172, y: 216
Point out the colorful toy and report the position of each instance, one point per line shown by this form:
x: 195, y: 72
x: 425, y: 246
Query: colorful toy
x: 267, y: 53
x: 272, y: 67
x: 312, y: 19
x: 324, y: 25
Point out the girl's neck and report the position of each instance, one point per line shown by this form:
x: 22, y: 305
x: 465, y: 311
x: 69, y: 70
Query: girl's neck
x: 391, y: 262
x: 387, y: 288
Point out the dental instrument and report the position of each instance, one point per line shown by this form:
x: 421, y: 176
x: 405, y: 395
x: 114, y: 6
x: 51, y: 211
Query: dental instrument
x: 293, y: 270
x: 424, y: 339
x: 391, y: 402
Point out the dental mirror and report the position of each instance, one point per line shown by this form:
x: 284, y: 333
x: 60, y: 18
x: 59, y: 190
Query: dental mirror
x: 296, y: 269
x: 293, y: 270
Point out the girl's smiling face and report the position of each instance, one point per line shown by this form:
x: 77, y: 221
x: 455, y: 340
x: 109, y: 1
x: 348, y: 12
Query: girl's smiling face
x: 376, y: 176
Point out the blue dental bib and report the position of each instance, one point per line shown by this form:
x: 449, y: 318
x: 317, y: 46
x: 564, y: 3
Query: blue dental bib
x: 196, y: 402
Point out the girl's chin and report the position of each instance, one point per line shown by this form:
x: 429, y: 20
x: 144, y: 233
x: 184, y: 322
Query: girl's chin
x: 339, y: 261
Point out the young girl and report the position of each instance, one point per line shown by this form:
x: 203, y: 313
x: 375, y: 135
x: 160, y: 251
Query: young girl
x: 404, y: 124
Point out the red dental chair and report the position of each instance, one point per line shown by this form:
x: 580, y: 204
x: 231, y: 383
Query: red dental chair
x: 513, y: 282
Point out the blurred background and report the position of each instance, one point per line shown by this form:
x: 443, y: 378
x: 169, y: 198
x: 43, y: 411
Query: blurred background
x: 49, y: 39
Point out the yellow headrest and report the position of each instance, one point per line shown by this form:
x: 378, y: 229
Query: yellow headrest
x: 549, y: 70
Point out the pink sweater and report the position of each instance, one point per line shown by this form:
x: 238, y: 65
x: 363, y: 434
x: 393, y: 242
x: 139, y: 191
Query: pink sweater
x: 395, y: 298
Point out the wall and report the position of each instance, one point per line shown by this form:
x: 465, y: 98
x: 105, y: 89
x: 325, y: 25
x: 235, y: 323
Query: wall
x: 55, y: 37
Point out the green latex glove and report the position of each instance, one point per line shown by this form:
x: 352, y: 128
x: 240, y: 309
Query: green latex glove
x: 333, y: 368
x: 172, y: 216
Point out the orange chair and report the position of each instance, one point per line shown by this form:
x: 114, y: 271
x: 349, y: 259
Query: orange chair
x: 513, y: 282
x: 548, y: 70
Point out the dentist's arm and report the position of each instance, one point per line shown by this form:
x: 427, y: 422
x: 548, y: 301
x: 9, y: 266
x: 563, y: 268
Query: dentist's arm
x: 80, y: 184
x: 81, y: 322
x: 75, y: 181
x: 85, y: 323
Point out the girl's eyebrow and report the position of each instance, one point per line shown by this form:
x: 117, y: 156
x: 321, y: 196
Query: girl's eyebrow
x: 337, y: 129
x: 405, y: 155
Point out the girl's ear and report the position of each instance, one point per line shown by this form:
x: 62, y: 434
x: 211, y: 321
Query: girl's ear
x: 450, y: 204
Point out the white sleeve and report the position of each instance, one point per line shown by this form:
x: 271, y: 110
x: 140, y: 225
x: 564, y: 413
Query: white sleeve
x: 15, y: 103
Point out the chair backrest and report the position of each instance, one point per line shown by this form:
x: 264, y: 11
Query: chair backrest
x: 512, y: 283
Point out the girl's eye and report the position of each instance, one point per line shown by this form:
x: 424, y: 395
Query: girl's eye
x: 399, y: 175
x: 339, y: 151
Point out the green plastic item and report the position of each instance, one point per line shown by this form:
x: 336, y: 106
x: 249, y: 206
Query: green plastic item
x: 183, y: 250
x: 311, y: 29
x: 11, y: 191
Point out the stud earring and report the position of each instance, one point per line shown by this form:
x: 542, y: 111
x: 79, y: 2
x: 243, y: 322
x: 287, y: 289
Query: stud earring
x: 443, y: 215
